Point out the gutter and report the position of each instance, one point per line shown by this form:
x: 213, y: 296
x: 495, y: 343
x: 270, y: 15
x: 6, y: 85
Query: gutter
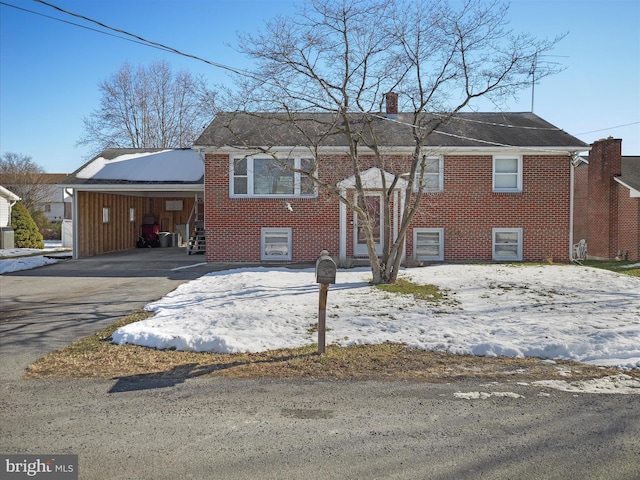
x: 172, y: 187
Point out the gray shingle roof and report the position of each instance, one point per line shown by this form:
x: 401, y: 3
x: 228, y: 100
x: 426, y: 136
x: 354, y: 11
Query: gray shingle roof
x: 631, y: 172
x: 464, y: 130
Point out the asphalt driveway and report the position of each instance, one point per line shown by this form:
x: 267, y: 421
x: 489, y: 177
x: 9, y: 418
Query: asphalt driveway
x: 44, y: 309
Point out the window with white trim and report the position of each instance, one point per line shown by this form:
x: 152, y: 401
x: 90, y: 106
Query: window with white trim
x: 428, y: 243
x: 433, y: 177
x: 275, y: 244
x: 507, y: 244
x: 266, y: 177
x: 507, y: 174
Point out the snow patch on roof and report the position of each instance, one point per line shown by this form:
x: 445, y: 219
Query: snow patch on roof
x: 164, y: 166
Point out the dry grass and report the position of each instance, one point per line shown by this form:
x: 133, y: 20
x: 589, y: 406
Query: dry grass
x: 97, y: 357
x: 618, y: 266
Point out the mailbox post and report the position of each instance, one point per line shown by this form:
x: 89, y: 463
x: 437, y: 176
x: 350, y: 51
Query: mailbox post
x: 325, y: 275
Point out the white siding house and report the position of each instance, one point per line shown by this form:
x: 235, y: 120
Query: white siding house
x: 7, y: 200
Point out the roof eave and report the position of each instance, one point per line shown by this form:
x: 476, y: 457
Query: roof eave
x: 136, y: 187
x: 633, y: 192
x: 468, y: 150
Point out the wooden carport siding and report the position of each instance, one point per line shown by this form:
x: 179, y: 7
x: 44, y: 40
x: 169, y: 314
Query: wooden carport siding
x: 96, y: 236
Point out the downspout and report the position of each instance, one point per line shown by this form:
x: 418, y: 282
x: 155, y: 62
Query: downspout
x: 571, y: 183
x: 575, y: 161
x: 342, y: 220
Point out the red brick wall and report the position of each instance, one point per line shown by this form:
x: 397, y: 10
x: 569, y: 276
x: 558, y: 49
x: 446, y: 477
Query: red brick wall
x: 628, y: 224
x: 467, y: 209
x: 602, y: 212
x: 233, y: 225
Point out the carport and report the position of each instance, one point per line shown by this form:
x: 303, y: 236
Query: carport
x: 113, y: 195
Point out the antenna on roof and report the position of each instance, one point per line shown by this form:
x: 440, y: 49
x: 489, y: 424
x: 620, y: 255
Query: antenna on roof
x: 533, y: 78
x: 532, y: 72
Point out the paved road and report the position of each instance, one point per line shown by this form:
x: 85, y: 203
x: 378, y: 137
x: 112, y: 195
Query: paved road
x: 263, y: 429
x: 145, y: 428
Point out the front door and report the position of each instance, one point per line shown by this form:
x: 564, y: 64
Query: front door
x: 373, y: 204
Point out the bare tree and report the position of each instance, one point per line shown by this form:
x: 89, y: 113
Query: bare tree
x: 20, y: 174
x: 149, y: 107
x: 343, y: 56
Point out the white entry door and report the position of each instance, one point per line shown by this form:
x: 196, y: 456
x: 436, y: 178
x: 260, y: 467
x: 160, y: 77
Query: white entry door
x: 373, y: 204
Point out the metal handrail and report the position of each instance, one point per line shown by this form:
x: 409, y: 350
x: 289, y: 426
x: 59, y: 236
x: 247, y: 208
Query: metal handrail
x: 191, y: 221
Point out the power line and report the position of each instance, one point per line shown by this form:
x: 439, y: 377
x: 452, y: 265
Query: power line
x: 75, y: 24
x: 150, y: 42
x: 144, y: 41
x: 609, y: 128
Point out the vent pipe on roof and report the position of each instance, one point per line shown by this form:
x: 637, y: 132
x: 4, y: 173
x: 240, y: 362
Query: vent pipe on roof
x: 391, y: 99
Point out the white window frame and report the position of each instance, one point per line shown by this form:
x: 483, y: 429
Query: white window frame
x: 297, y: 178
x: 517, y: 174
x: 440, y: 255
x: 264, y: 233
x: 518, y: 256
x: 440, y: 176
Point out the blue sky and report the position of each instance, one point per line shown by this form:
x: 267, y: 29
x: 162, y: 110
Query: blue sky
x: 49, y: 70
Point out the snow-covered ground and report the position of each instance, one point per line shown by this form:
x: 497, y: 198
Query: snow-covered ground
x: 16, y: 259
x: 555, y: 311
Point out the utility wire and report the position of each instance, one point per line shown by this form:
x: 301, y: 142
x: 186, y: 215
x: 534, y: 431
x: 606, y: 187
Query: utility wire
x: 610, y: 128
x: 151, y: 42
x: 76, y: 24
x: 144, y: 41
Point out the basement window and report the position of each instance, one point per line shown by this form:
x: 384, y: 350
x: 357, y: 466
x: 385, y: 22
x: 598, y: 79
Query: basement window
x: 507, y: 244
x: 428, y: 243
x: 276, y: 244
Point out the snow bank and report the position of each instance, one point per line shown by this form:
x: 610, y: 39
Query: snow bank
x: 565, y: 312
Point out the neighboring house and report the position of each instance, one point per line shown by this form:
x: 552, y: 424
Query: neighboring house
x: 40, y: 191
x: 52, y: 205
x: 7, y: 201
x: 498, y: 187
x: 607, y: 202
x: 123, y: 193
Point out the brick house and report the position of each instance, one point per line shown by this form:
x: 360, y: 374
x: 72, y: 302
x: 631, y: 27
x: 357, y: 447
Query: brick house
x: 607, y: 202
x: 498, y: 187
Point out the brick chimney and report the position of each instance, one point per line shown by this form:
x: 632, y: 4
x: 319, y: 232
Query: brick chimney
x: 605, y: 163
x: 392, y: 104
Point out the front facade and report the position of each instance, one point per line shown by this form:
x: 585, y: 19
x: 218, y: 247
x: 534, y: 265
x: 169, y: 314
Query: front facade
x: 497, y: 188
